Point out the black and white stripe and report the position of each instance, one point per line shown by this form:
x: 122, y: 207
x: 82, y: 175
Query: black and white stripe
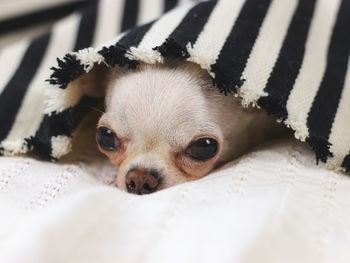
x: 287, y: 66
x: 16, y: 16
x: 289, y: 57
x: 240, y: 43
x: 265, y: 51
x: 22, y: 77
x: 320, y: 122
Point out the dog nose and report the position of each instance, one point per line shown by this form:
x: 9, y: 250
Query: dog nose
x: 142, y: 181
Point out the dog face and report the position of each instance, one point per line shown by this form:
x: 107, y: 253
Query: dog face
x: 165, y: 125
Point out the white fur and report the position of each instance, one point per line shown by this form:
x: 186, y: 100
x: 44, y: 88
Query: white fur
x: 160, y: 109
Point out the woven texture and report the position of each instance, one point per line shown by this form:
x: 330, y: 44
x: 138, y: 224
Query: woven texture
x: 255, y: 210
x: 291, y: 59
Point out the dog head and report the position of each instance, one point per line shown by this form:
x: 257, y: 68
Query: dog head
x: 165, y: 125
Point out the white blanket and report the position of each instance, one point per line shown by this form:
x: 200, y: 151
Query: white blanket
x: 272, y: 205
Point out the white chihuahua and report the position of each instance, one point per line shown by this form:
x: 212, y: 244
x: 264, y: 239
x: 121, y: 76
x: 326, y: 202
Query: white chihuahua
x: 167, y: 124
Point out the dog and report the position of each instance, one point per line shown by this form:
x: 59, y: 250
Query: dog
x: 166, y: 124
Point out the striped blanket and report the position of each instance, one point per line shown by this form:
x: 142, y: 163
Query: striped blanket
x: 290, y: 58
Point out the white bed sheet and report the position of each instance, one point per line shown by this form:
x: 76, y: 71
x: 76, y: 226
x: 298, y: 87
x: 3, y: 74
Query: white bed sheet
x: 272, y: 205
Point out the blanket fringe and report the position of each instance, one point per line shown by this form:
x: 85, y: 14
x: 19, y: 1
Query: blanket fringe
x: 320, y: 146
x: 69, y: 68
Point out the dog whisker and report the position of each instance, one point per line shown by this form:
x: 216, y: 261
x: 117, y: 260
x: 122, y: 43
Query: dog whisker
x: 93, y: 108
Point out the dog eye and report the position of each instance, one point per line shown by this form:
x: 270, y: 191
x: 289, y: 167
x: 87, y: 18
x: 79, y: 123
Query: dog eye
x: 202, y: 149
x: 107, y: 139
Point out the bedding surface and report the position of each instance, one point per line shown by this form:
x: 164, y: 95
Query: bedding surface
x: 272, y: 205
